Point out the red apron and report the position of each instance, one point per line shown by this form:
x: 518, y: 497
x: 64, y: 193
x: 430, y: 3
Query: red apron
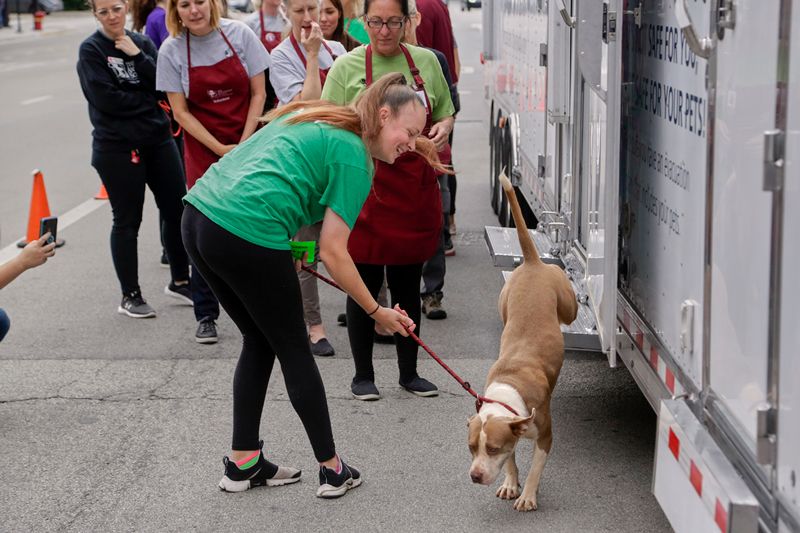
x: 401, y: 221
x: 270, y: 39
x: 323, y: 73
x: 219, y: 97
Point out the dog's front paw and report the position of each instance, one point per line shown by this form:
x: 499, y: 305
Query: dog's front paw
x: 525, y: 503
x: 508, y: 490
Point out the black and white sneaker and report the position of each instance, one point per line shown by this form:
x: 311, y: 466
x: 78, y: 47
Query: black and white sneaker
x: 333, y: 485
x: 182, y: 293
x: 135, y: 306
x: 420, y: 387
x: 206, y: 331
x: 364, y: 389
x: 261, y: 474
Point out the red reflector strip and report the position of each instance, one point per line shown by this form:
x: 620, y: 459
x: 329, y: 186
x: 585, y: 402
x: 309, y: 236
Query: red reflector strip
x: 654, y: 358
x: 721, y: 517
x: 696, y: 477
x: 640, y: 340
x: 674, y: 444
x: 670, y: 381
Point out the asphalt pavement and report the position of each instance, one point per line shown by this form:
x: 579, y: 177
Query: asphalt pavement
x: 114, y: 424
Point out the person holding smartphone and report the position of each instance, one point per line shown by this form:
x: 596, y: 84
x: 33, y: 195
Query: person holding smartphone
x: 36, y: 253
x: 132, y: 149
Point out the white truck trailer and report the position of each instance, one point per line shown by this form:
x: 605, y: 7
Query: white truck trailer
x: 656, y: 145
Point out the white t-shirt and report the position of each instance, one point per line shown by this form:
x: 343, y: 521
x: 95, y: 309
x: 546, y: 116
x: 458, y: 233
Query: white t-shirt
x: 277, y: 23
x: 287, y: 72
x: 172, y: 72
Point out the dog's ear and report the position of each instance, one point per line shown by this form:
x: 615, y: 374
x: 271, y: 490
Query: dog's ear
x: 469, y: 420
x: 520, y: 425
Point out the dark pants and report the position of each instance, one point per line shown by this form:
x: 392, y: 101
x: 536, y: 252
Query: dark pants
x: 452, y: 184
x: 160, y: 169
x: 403, y: 281
x: 258, y: 288
x: 5, y: 324
x: 434, y: 269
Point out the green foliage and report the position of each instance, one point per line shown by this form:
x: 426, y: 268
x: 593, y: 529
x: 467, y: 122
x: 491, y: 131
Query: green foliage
x: 75, y: 5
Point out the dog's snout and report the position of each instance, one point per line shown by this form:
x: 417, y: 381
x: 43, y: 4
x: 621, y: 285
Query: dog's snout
x: 477, y: 477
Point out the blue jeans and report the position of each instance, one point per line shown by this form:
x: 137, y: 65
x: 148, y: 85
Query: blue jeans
x: 5, y: 324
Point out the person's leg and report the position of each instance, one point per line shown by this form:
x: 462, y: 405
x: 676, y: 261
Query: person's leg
x: 125, y: 183
x: 360, y: 327
x: 404, y: 287
x: 310, y: 291
x: 275, y: 309
x: 5, y: 324
x: 165, y: 179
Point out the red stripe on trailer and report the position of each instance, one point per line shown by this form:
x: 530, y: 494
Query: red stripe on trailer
x: 640, y: 340
x: 696, y: 477
x: 626, y: 320
x: 721, y: 517
x: 670, y: 381
x: 674, y: 444
x: 654, y: 358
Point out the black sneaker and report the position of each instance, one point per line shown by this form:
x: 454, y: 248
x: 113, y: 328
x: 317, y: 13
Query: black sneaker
x: 333, y: 485
x: 342, y: 319
x: 206, y: 331
x: 135, y: 306
x: 322, y: 348
x: 365, y: 390
x: 182, y: 293
x: 420, y: 387
x: 432, y: 306
x: 164, y: 262
x: 258, y: 475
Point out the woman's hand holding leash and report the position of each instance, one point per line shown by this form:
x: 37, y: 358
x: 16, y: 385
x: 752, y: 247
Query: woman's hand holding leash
x: 394, y: 320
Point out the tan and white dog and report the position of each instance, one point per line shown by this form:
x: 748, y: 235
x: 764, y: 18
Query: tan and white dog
x: 533, y: 303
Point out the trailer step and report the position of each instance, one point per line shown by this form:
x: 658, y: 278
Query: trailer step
x: 505, y: 250
x: 581, y: 335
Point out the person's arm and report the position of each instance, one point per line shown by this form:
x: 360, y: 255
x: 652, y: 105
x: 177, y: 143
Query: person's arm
x: 333, y: 252
x: 443, y: 125
x: 101, y: 90
x: 312, y: 87
x: 180, y: 110
x: 456, y: 60
x: 33, y: 255
x: 145, y: 62
x: 258, y: 95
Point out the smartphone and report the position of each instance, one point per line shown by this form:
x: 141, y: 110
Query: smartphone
x: 48, y: 224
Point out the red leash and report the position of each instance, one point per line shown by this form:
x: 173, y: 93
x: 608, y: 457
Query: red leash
x: 479, y: 400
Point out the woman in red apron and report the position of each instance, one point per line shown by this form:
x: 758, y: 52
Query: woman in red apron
x: 268, y: 23
x: 212, y: 70
x: 399, y: 225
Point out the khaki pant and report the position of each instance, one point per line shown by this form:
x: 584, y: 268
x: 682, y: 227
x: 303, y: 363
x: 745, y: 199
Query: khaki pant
x: 308, y: 283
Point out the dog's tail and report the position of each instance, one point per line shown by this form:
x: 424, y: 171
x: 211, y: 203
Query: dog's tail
x: 529, y: 251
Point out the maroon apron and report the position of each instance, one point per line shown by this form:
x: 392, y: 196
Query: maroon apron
x: 401, y: 221
x: 270, y: 39
x: 323, y: 73
x: 219, y: 97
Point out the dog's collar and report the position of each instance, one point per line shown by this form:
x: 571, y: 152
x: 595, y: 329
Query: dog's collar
x: 480, y: 400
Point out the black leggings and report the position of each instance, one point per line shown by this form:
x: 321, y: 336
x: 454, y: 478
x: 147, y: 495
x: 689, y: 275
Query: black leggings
x: 159, y: 167
x: 258, y: 288
x: 403, y: 282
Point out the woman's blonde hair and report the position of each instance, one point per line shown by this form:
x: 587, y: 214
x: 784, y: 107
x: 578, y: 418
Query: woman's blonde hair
x: 362, y: 117
x: 173, y: 20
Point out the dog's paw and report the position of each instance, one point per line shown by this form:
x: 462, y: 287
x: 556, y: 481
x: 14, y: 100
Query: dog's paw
x: 508, y: 491
x: 525, y: 503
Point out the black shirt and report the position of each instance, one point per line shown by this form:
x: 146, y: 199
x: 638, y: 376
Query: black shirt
x: 121, y: 91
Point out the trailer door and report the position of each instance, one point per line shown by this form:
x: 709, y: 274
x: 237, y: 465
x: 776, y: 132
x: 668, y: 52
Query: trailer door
x: 741, y: 233
x: 597, y: 141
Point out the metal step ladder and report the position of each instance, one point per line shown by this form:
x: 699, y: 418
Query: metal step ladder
x: 505, y: 250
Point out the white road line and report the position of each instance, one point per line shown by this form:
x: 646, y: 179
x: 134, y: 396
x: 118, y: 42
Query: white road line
x: 467, y: 70
x: 64, y: 221
x: 476, y: 26
x: 36, y: 100
x: 463, y: 93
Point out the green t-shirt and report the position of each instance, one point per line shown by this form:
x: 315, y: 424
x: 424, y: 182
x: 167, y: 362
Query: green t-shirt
x: 355, y: 27
x: 346, y: 79
x: 284, y: 177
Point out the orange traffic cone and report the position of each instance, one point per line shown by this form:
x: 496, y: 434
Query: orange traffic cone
x: 39, y: 210
x: 101, y: 194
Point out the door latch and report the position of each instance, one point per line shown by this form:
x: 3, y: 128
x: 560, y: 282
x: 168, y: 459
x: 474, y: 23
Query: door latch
x: 774, y: 163
x: 609, y: 24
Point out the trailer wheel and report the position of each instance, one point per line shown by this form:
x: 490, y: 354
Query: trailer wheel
x: 503, y: 212
x: 494, y: 153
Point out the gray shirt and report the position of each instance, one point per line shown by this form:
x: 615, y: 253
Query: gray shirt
x: 278, y: 23
x: 172, y: 72
x: 287, y: 72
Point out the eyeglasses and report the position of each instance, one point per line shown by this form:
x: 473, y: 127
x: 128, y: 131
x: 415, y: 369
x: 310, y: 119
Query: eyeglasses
x: 394, y: 23
x: 117, y: 10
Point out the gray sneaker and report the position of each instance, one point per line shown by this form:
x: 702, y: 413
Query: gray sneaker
x: 206, y: 331
x: 432, y: 306
x: 135, y: 306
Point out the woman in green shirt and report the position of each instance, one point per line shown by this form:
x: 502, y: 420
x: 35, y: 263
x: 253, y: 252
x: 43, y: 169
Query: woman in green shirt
x: 312, y: 162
